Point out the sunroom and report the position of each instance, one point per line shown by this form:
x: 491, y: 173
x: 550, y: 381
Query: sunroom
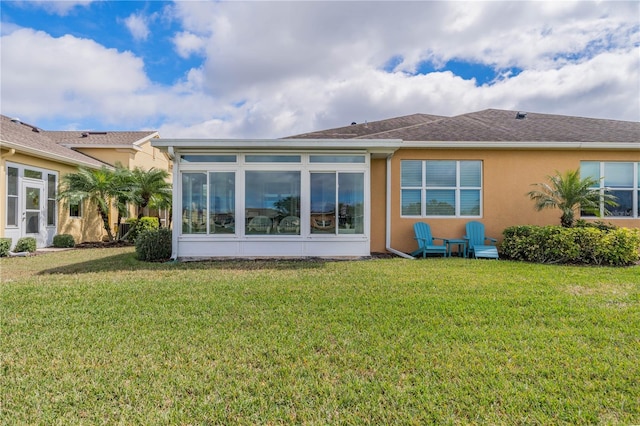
x: 272, y: 198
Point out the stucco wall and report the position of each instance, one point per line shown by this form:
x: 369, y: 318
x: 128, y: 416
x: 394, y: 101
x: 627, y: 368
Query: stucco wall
x: 146, y: 157
x: 84, y: 229
x: 507, y: 177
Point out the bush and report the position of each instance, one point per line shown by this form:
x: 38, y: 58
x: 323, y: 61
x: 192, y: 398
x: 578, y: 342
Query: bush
x: 154, y: 245
x: 146, y: 223
x: 589, y: 245
x: 64, y: 241
x: 5, y: 246
x: 25, y: 244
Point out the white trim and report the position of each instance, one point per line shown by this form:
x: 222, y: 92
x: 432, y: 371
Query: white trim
x: 383, y: 146
x: 240, y: 244
x: 521, y: 145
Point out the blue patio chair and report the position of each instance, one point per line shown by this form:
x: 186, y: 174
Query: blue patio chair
x: 425, y: 241
x: 477, y: 242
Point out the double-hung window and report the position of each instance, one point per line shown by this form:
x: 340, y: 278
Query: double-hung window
x: 441, y: 188
x: 620, y: 179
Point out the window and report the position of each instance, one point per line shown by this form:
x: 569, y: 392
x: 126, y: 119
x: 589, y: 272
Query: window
x: 267, y: 158
x: 220, y: 158
x: 12, y: 196
x: 222, y: 200
x: 275, y: 195
x: 75, y: 210
x: 620, y: 179
x: 51, y: 200
x: 32, y: 174
x: 194, y: 203
x: 337, y: 159
x: 441, y: 188
x: 344, y: 190
x: 270, y: 197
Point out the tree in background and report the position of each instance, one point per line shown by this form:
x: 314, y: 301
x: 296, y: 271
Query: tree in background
x: 569, y: 193
x: 119, y: 187
x: 94, y: 186
x: 147, y: 186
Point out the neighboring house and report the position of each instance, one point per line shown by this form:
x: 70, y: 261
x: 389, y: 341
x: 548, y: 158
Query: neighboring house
x: 359, y: 189
x: 32, y: 162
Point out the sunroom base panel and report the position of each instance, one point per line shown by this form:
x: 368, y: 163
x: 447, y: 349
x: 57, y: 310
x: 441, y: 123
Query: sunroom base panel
x: 272, y: 248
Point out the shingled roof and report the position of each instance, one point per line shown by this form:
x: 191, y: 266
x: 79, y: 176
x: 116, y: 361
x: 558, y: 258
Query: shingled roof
x: 365, y: 130
x: 491, y: 125
x: 32, y: 140
x: 62, y: 145
x: 90, y: 139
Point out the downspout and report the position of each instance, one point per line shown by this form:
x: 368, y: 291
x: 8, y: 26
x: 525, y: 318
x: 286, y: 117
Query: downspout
x: 388, y: 225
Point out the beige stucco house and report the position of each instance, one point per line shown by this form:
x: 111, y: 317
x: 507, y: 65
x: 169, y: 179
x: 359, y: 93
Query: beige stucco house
x: 359, y: 189
x: 32, y: 162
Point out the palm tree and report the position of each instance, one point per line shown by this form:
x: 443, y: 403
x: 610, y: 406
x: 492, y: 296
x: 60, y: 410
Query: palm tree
x: 159, y: 203
x: 123, y: 196
x: 569, y: 193
x: 148, y: 185
x: 95, y: 186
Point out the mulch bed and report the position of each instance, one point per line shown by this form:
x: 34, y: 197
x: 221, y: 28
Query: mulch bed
x: 104, y: 244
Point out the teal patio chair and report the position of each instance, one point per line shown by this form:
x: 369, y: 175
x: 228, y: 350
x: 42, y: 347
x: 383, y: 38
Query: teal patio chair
x: 425, y: 241
x: 477, y: 242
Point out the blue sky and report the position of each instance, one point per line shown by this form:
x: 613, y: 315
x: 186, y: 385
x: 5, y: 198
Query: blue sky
x: 271, y: 69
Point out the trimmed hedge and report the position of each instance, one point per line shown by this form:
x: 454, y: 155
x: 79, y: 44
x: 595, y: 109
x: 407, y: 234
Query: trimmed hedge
x: 64, y: 241
x: 587, y: 245
x: 25, y: 244
x: 5, y: 246
x: 146, y: 223
x: 154, y: 245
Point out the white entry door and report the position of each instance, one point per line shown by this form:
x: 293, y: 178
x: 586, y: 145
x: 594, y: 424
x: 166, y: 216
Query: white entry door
x: 34, y: 214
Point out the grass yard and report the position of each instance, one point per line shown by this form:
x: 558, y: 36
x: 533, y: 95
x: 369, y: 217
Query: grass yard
x: 93, y: 336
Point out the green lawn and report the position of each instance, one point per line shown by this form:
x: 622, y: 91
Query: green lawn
x: 93, y: 336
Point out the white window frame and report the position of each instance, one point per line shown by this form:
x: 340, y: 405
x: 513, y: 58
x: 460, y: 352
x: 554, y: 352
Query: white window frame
x: 305, y: 166
x: 634, y: 189
x: 22, y: 178
x: 457, y: 188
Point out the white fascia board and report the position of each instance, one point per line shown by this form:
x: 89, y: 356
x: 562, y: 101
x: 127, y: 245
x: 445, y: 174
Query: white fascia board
x: 50, y: 156
x: 615, y: 146
x: 387, y: 145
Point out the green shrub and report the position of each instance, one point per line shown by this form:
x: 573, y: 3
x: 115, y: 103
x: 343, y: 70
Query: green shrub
x: 25, y: 244
x: 589, y: 245
x: 5, y: 246
x: 154, y: 245
x: 64, y: 241
x: 146, y: 223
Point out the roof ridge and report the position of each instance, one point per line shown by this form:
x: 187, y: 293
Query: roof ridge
x: 413, y: 126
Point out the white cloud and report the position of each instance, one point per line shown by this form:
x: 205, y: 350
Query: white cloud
x: 58, y: 7
x: 274, y: 69
x: 138, y: 26
x: 42, y: 76
x: 188, y: 43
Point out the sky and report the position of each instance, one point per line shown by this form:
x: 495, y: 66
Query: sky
x: 269, y: 69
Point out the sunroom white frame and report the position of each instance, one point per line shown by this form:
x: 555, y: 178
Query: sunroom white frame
x: 240, y: 244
